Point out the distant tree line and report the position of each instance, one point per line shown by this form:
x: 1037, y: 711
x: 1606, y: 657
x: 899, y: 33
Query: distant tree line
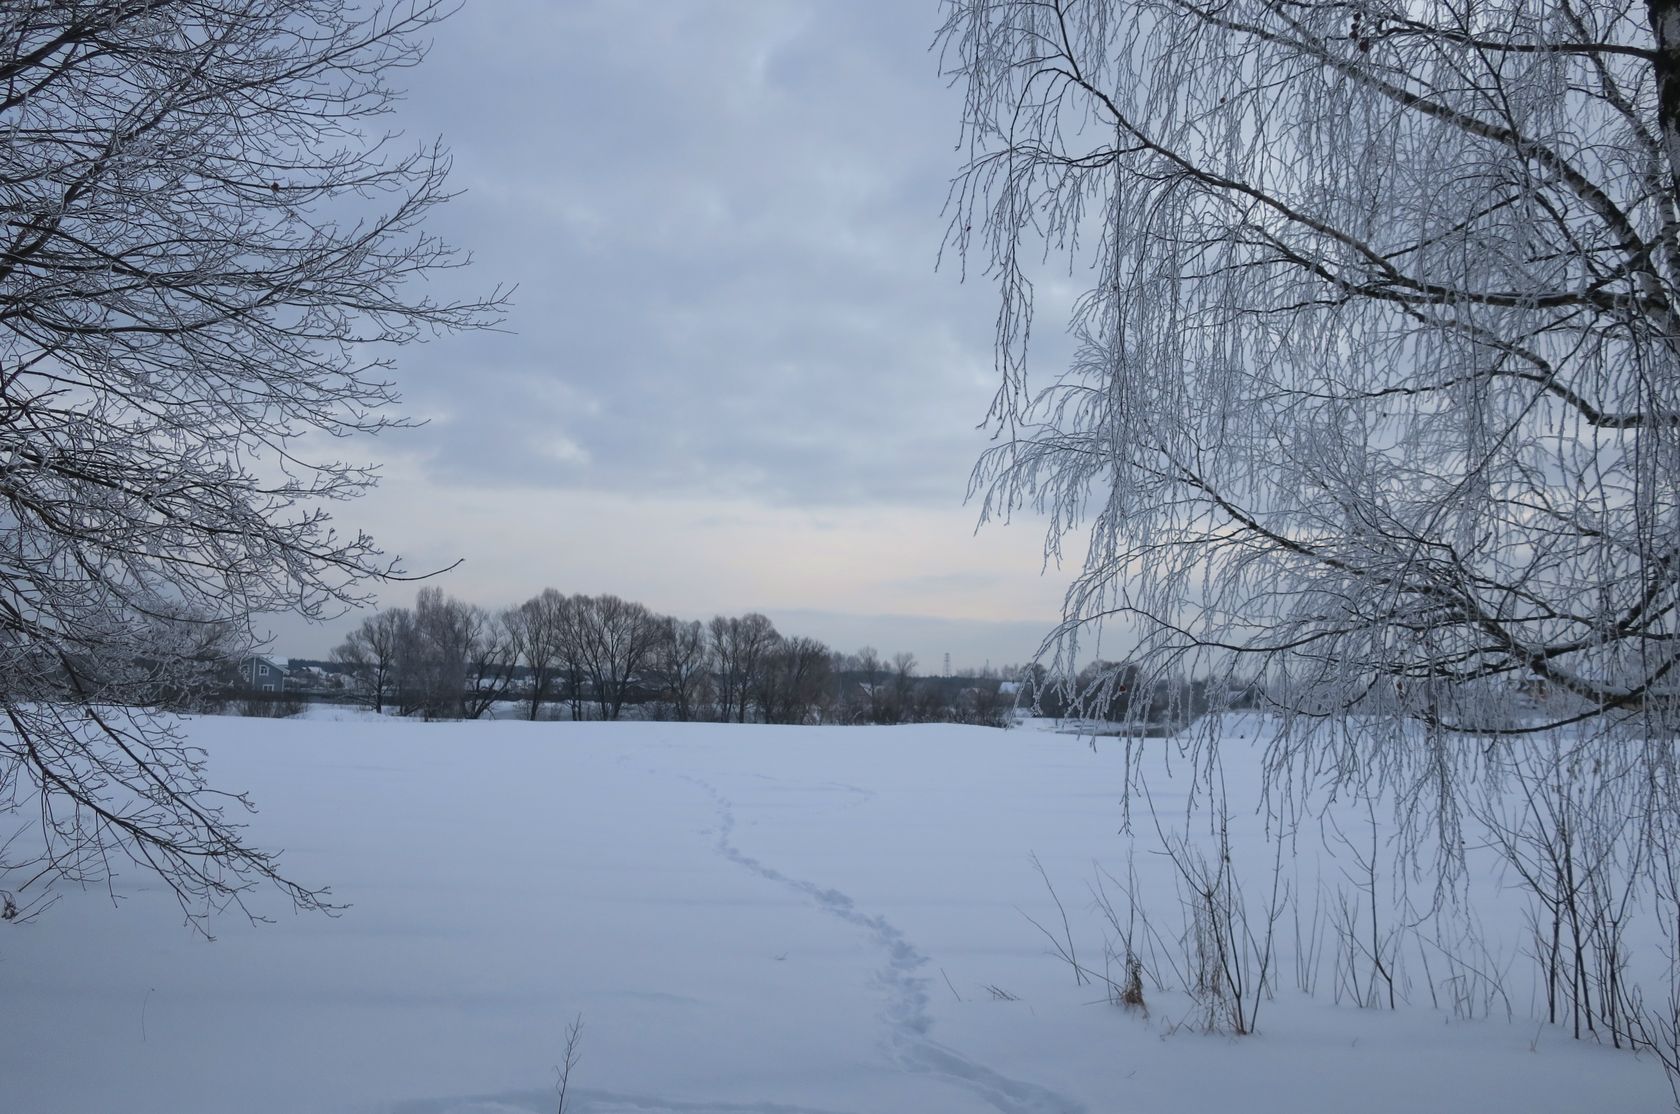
x: 593, y: 657
x: 1125, y: 694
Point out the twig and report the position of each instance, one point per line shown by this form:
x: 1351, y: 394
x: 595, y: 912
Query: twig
x: 574, y: 1034
x: 1067, y: 932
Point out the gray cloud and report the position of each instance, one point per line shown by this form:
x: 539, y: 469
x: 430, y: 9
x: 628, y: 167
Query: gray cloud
x: 731, y: 379
x: 723, y: 221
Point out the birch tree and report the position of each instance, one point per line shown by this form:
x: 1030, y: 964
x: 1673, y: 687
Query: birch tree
x: 1376, y: 391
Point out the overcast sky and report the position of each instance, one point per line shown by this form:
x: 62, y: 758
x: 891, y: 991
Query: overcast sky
x: 732, y: 378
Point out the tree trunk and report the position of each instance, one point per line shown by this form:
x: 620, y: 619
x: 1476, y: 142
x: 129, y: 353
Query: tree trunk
x: 1665, y: 27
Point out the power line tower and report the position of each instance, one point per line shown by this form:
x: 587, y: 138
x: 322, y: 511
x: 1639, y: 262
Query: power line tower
x: 947, y: 663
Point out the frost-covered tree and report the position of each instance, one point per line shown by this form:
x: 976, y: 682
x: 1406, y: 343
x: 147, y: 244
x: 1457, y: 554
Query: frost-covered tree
x: 1376, y: 391
x: 206, y: 248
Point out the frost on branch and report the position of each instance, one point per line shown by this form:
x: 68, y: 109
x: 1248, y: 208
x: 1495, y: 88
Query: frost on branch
x: 1376, y: 401
x: 205, y: 260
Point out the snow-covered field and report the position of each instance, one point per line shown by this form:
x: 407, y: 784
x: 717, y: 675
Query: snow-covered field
x: 753, y: 920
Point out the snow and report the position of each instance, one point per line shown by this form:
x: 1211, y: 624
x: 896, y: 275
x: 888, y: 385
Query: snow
x: 753, y: 920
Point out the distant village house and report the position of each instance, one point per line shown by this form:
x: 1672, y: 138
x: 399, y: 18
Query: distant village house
x: 260, y: 674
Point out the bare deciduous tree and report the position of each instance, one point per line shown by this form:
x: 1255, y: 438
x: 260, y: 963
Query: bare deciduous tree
x: 616, y: 643
x: 372, y: 651
x: 870, y: 694
x: 435, y: 667
x: 538, y: 627
x: 793, y: 680
x: 683, y: 661
x: 896, y: 704
x: 492, y: 659
x: 204, y: 263
x: 739, y: 646
x: 802, y: 672
x: 728, y: 675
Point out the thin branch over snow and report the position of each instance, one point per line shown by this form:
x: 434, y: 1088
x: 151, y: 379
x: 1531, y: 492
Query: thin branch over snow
x: 207, y: 254
x: 1375, y: 409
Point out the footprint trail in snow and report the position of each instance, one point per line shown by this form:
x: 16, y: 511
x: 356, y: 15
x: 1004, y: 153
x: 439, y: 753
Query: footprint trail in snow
x: 906, y: 1012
